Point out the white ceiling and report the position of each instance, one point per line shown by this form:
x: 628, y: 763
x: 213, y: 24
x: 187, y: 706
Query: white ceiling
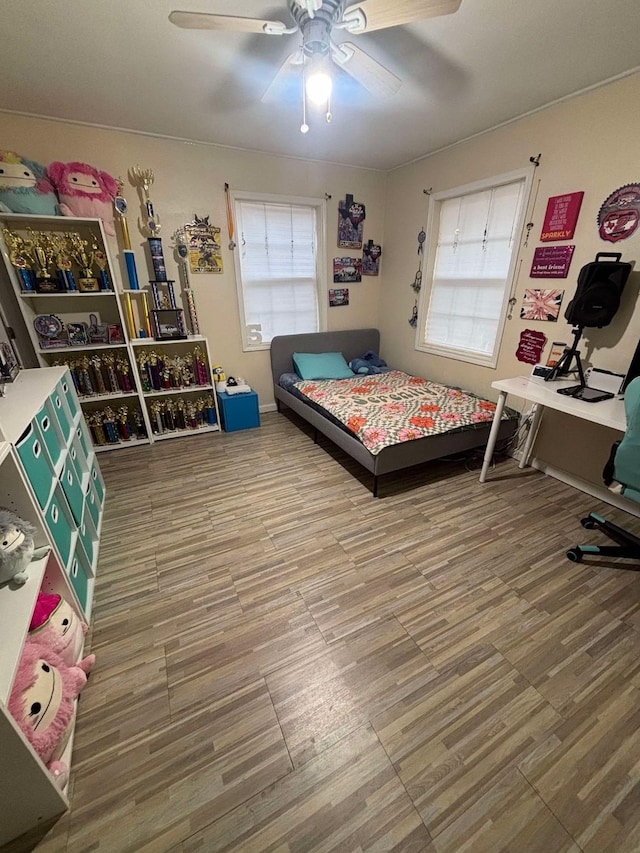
x: 121, y: 63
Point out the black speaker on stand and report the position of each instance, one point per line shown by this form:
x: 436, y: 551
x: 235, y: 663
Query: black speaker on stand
x: 595, y: 304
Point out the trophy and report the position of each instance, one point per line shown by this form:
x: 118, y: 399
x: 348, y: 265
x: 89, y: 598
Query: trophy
x: 45, y: 251
x: 100, y: 260
x: 21, y: 256
x: 120, y: 204
x: 144, y: 179
x: 64, y: 262
x: 182, y: 251
x: 87, y: 283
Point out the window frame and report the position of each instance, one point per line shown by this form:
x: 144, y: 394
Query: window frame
x: 320, y: 206
x: 433, y: 227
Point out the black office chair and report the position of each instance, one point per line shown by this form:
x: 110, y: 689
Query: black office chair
x: 623, y: 467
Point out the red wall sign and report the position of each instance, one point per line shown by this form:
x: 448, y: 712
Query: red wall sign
x: 561, y: 217
x: 530, y: 346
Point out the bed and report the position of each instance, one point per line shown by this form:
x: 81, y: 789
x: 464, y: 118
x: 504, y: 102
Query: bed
x: 352, y: 344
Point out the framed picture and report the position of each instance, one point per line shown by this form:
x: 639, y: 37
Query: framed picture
x: 116, y: 335
x: 338, y: 296
x: 77, y: 334
x: 347, y: 270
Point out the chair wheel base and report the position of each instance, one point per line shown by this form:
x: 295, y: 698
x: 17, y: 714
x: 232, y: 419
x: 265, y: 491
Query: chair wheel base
x: 588, y: 523
x: 575, y: 555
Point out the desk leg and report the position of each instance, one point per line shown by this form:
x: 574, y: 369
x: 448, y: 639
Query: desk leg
x: 493, y: 435
x: 538, y: 409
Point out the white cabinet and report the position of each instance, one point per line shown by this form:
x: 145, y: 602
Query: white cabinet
x: 49, y: 476
x: 109, y: 368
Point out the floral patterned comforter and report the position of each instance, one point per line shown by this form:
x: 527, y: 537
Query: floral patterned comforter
x: 388, y: 408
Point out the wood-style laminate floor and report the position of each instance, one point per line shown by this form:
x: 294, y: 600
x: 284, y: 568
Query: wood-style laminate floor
x: 286, y: 664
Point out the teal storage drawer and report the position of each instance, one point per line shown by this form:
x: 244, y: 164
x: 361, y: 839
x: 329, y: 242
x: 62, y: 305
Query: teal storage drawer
x: 60, y: 410
x: 93, y: 505
x: 61, y: 525
x: 72, y: 487
x: 52, y: 439
x: 79, y: 576
x: 98, y: 482
x: 79, y: 459
x: 82, y: 436
x: 37, y: 465
x: 88, y: 538
x: 238, y: 411
x: 70, y: 396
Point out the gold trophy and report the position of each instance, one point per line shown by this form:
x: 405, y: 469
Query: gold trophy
x: 45, y: 250
x: 87, y: 283
x: 22, y: 257
x: 144, y: 179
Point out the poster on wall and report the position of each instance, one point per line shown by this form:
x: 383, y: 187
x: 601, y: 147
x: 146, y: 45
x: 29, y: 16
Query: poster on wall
x: 551, y: 261
x: 203, y: 241
x: 619, y: 214
x: 540, y: 304
x: 530, y: 346
x: 351, y: 216
x: 339, y: 296
x: 371, y: 258
x: 561, y: 217
x: 347, y: 269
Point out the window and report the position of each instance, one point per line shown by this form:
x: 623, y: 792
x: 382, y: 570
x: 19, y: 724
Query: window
x: 279, y: 266
x: 474, y: 235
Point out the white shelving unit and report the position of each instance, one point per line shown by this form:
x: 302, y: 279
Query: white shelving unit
x: 46, y: 460
x: 74, y: 307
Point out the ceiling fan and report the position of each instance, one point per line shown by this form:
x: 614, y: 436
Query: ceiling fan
x: 317, y: 21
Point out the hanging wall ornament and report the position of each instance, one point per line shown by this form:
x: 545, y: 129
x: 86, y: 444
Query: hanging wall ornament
x: 416, y: 284
x: 371, y: 258
x: 351, y: 216
x: 619, y: 215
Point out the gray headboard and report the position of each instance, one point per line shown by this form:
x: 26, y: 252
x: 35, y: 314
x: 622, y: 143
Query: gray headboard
x: 352, y: 343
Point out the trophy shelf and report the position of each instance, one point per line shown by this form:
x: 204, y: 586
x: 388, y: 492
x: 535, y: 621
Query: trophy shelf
x: 180, y: 433
x: 81, y: 348
x: 71, y: 294
x: 150, y: 342
x: 187, y: 389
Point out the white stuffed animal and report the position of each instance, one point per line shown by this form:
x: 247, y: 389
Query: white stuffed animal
x: 17, y: 548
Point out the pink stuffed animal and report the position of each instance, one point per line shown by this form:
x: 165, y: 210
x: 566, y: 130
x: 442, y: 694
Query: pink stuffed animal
x: 85, y: 191
x: 56, y: 625
x: 42, y: 702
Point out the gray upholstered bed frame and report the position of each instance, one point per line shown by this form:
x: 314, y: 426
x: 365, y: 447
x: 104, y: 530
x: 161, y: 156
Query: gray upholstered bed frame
x: 353, y: 343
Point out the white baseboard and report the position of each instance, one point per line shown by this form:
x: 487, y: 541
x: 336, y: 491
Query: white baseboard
x: 268, y: 407
x: 599, y: 492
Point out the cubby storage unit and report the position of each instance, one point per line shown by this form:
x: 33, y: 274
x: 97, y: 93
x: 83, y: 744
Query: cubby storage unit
x: 49, y: 476
x: 120, y: 410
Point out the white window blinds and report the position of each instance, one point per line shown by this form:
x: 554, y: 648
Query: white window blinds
x: 278, y: 251
x: 475, y: 244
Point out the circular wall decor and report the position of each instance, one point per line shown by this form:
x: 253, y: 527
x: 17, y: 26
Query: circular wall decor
x: 619, y: 215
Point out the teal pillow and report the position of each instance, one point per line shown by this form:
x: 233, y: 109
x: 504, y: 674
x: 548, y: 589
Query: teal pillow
x: 321, y: 365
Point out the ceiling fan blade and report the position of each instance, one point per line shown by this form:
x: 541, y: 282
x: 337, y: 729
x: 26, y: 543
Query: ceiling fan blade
x: 291, y: 67
x: 365, y: 69
x: 381, y: 14
x: 204, y: 21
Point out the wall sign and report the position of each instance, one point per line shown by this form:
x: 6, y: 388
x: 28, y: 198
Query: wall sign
x: 347, y: 269
x: 371, y: 258
x: 619, y: 215
x: 351, y: 216
x: 551, y: 261
x: 561, y: 217
x: 339, y: 296
x: 530, y: 346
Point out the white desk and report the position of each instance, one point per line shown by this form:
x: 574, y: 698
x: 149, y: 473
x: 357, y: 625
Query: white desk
x: 609, y: 413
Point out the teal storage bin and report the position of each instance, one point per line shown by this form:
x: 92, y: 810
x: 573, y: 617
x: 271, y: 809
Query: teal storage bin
x: 79, y: 576
x: 93, y: 505
x: 37, y: 465
x: 82, y: 436
x: 70, y: 396
x: 239, y: 411
x: 88, y: 538
x: 61, y: 413
x: 98, y: 482
x: 47, y: 426
x: 72, y: 487
x: 61, y: 525
x: 79, y: 459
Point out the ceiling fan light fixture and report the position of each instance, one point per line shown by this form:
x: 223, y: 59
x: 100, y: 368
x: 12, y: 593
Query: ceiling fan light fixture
x: 319, y: 86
